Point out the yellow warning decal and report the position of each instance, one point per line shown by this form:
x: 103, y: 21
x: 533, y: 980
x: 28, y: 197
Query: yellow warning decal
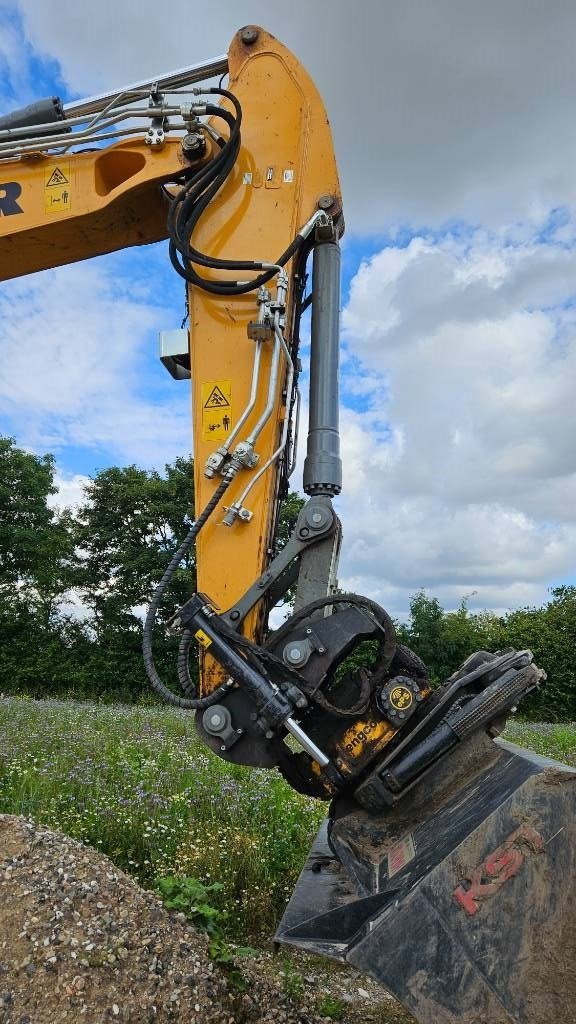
x: 202, y: 638
x: 216, y: 400
x: 57, y: 191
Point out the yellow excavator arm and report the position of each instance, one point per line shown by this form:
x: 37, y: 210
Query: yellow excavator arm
x: 243, y: 182
x: 60, y: 206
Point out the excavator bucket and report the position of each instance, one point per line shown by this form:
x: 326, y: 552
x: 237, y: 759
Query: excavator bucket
x: 461, y: 900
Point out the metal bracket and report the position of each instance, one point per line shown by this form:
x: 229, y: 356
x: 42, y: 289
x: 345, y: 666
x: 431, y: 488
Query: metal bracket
x: 317, y: 569
x: 316, y: 523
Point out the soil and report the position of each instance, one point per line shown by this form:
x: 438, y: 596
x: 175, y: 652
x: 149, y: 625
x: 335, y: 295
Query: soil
x: 81, y: 942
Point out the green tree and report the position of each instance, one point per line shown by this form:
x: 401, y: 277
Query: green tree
x: 130, y: 524
x: 36, y: 543
x: 127, y: 529
x: 289, y: 511
x: 112, y: 552
x: 424, y: 632
x: 444, y: 639
x: 550, y: 633
x: 36, y: 571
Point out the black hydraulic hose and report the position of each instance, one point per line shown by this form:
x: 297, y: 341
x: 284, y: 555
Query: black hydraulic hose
x: 156, y: 682
x: 209, y: 170
x: 192, y: 191
x: 201, y: 178
x: 192, y: 201
x: 186, y: 681
x: 388, y: 645
x: 234, y: 287
x: 217, y: 91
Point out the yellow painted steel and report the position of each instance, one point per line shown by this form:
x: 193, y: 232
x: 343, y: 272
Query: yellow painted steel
x: 85, y: 204
x: 285, y: 165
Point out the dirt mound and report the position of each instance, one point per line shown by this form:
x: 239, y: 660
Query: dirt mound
x: 80, y: 941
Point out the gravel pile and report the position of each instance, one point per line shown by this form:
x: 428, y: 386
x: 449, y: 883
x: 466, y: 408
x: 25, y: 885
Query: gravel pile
x: 80, y: 941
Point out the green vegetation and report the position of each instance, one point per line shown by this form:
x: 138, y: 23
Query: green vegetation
x: 109, y: 553
x: 444, y: 639
x: 292, y: 980
x: 107, y: 556
x: 228, y: 842
x: 331, y: 1007
x: 557, y: 741
x: 190, y: 896
x: 137, y: 784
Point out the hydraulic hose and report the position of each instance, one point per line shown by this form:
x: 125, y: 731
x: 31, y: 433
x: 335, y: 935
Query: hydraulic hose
x: 147, y: 636
x: 192, y: 201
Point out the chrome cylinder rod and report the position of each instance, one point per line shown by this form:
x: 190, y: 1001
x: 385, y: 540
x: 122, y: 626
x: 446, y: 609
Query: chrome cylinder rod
x: 306, y: 743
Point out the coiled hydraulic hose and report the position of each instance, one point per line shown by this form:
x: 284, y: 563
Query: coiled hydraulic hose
x: 191, y: 202
x: 156, y: 682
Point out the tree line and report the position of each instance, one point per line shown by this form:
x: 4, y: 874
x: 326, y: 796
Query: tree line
x: 74, y: 583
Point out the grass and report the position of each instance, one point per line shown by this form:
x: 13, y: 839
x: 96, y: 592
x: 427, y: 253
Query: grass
x: 137, y: 783
x: 557, y: 741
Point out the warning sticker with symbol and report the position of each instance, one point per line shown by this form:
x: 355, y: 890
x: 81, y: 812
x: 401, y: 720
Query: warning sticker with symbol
x: 57, y: 191
x: 216, y: 409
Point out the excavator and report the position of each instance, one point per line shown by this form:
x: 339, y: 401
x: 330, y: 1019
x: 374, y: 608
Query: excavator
x: 445, y: 868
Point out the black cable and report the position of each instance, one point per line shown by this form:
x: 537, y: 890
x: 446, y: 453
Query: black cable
x: 147, y: 636
x: 387, y: 645
x: 195, y: 183
x: 300, y: 278
x: 190, y: 204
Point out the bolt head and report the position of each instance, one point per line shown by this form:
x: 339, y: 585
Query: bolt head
x: 249, y: 35
x: 235, y: 615
x: 325, y: 202
x: 193, y: 142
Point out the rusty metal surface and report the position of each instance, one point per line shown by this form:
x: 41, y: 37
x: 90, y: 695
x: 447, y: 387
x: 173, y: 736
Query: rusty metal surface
x: 467, y: 914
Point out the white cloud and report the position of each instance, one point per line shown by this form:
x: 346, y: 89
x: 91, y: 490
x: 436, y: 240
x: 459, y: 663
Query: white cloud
x: 440, y: 110
x: 473, y: 344
x: 461, y: 472
x: 70, y: 491
x: 77, y: 367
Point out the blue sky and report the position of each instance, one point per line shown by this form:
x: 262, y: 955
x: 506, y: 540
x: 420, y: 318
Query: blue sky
x: 459, y: 271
